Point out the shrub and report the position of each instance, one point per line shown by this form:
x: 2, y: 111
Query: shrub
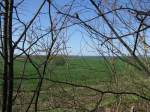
x: 59, y: 61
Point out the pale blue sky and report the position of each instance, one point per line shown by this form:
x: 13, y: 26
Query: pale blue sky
x: 79, y: 43
x: 76, y: 44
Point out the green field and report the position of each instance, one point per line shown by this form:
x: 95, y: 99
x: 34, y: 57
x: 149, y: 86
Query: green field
x: 81, y: 70
x: 111, y: 74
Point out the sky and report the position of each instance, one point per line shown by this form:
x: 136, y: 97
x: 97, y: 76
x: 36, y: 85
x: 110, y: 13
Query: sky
x: 76, y: 44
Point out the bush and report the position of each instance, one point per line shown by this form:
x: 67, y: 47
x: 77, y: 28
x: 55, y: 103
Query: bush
x: 59, y: 61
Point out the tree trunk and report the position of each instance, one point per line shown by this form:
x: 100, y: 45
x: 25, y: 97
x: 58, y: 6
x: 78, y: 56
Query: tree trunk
x: 8, y: 57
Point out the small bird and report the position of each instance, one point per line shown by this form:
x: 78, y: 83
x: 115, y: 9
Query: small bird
x: 77, y: 15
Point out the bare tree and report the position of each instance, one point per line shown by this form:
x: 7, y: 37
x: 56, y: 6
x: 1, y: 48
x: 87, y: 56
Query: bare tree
x: 118, y: 30
x: 33, y: 40
x: 113, y: 35
x: 8, y: 57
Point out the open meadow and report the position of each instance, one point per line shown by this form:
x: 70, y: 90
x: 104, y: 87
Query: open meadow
x: 83, y: 72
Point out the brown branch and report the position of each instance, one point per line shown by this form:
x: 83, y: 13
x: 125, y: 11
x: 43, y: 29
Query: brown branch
x: 91, y: 88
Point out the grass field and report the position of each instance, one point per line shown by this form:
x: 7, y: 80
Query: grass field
x: 81, y: 70
x: 114, y: 75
